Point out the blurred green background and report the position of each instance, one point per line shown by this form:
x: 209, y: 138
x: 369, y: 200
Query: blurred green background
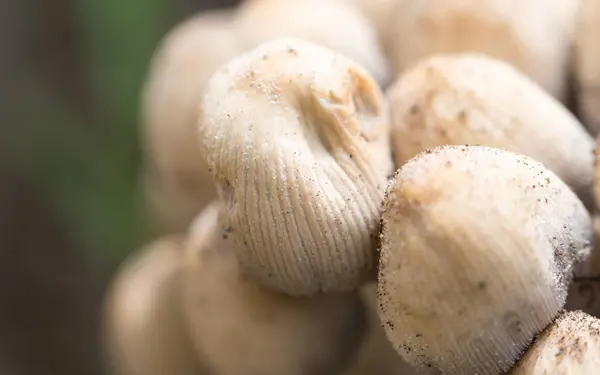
x: 70, y: 205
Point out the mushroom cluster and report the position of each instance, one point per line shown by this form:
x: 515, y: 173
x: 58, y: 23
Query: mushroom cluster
x: 349, y: 187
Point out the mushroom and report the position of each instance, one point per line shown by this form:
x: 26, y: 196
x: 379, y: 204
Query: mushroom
x: 243, y: 328
x: 478, y: 249
x: 376, y: 354
x: 534, y: 35
x: 379, y: 13
x: 337, y: 25
x: 175, y: 178
x: 144, y: 332
x: 297, y: 138
x: 569, y: 346
x: 586, y: 64
x: 474, y: 99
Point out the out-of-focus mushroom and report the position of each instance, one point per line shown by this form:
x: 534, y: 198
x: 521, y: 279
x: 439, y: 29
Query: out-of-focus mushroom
x: 587, y: 64
x: 175, y: 177
x: 242, y: 328
x: 297, y: 138
x: 478, y: 250
x: 534, y: 35
x: 335, y: 24
x: 569, y: 346
x: 144, y: 330
x: 473, y: 99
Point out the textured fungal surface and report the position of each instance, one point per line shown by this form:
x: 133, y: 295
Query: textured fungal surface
x: 478, y: 249
x: 534, y: 35
x: 338, y: 25
x: 297, y: 138
x: 473, y: 99
x: 176, y: 180
x: 243, y: 328
x: 570, y: 346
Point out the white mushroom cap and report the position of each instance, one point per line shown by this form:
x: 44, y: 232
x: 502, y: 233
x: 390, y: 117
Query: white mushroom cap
x: 243, y: 328
x: 586, y: 63
x: 297, y: 137
x: 337, y: 25
x: 175, y: 179
x: 478, y: 249
x: 473, y: 99
x: 144, y: 332
x: 570, y: 346
x: 533, y: 35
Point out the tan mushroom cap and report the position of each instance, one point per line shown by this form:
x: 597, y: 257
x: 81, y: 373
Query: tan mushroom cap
x: 337, y: 25
x: 176, y: 181
x: 586, y: 64
x: 144, y: 331
x: 533, y: 35
x: 570, y: 346
x: 297, y: 138
x: 473, y: 99
x: 243, y: 328
x: 478, y: 249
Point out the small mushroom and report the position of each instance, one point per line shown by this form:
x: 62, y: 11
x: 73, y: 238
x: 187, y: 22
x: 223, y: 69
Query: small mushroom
x: 379, y: 13
x: 242, y: 328
x: 478, y: 249
x: 376, y: 356
x: 175, y: 177
x: 297, y: 138
x: 144, y: 332
x: 569, y: 346
x: 533, y: 35
x: 474, y: 99
x: 338, y: 25
x: 586, y: 64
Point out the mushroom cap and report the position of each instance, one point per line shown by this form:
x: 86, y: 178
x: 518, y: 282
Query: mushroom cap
x: 337, y: 25
x: 242, y: 328
x: 534, y: 35
x: 297, y: 138
x: 569, y: 346
x: 144, y: 330
x: 478, y: 248
x: 586, y: 64
x: 474, y: 99
x: 176, y: 181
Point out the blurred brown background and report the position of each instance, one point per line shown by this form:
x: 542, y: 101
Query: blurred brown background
x: 70, y: 208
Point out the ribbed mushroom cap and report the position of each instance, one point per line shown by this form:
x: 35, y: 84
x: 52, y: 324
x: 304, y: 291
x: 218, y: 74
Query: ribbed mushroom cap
x: 478, y: 249
x: 473, y: 99
x: 297, y: 138
x: 569, y: 346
